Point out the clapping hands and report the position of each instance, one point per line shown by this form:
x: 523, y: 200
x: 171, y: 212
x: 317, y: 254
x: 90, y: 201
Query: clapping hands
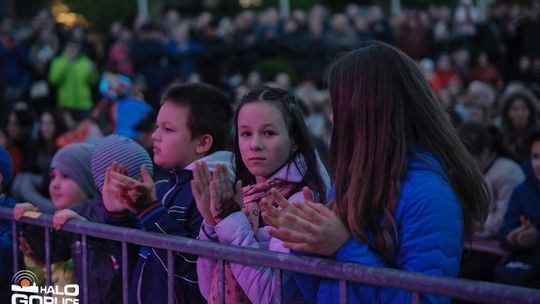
x: 122, y: 192
x: 524, y: 236
x: 214, y: 193
x: 309, y: 226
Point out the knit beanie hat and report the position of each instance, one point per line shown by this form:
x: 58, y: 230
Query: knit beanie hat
x: 74, y: 161
x: 6, y: 167
x: 124, y: 151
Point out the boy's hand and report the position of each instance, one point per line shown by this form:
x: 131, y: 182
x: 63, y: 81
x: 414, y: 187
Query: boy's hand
x: 110, y: 193
x: 21, y: 208
x: 200, y: 187
x: 64, y: 215
x: 133, y: 194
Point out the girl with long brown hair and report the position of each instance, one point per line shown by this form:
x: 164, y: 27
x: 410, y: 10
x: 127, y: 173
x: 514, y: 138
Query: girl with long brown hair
x: 406, y: 192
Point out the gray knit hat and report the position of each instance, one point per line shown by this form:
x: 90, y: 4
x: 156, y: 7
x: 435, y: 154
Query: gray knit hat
x: 74, y: 161
x: 122, y: 150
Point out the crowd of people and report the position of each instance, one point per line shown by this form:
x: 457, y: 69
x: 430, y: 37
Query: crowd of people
x: 384, y: 141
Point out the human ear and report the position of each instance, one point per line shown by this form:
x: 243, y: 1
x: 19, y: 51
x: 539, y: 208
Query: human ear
x: 205, y: 144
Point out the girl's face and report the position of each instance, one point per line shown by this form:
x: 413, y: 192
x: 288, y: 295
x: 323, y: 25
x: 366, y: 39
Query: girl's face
x: 265, y: 144
x: 519, y: 114
x: 535, y: 155
x: 64, y: 191
x: 47, y: 126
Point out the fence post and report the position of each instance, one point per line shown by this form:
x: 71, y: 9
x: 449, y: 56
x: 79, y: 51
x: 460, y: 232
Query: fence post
x: 125, y: 278
x: 15, y: 247
x: 342, y: 292
x: 84, y: 268
x: 278, y: 292
x: 221, y: 281
x: 48, y: 275
x: 170, y: 277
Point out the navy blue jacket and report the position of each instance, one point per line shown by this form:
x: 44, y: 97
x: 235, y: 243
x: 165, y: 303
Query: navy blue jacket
x: 175, y: 213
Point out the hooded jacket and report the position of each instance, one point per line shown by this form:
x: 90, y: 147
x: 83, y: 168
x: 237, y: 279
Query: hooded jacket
x: 174, y: 213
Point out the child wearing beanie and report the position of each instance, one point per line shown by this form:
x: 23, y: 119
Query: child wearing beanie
x: 71, y: 185
x: 6, y: 256
x: 103, y: 256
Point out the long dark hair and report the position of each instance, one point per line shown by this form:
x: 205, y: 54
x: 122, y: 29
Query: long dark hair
x: 383, y: 107
x: 298, y: 132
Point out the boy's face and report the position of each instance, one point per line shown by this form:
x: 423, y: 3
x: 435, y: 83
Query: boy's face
x: 535, y: 155
x: 173, y: 145
x: 64, y: 191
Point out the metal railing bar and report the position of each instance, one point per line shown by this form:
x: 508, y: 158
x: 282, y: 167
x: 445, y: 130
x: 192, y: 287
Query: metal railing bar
x: 444, y: 286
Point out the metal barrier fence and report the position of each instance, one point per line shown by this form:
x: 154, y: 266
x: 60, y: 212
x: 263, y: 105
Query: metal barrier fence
x: 483, y: 292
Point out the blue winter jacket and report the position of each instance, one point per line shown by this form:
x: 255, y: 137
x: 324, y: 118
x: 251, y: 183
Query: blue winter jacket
x: 430, y: 228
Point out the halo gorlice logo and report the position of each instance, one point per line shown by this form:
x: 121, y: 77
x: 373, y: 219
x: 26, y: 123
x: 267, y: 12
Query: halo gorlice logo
x: 26, y: 291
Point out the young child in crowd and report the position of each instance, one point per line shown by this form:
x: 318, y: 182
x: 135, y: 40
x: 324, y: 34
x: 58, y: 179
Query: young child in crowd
x: 272, y: 150
x: 520, y: 230
x: 70, y: 185
x: 193, y: 124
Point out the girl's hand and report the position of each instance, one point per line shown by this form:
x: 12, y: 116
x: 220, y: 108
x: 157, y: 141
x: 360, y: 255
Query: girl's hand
x: 309, y: 227
x: 21, y: 208
x: 200, y: 187
x: 110, y: 193
x: 223, y: 200
x: 133, y: 194
x: 62, y: 216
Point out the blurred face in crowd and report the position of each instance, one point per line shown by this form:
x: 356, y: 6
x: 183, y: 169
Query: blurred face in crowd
x: 47, y: 126
x: 14, y: 130
x: 64, y: 191
x: 535, y: 155
x: 519, y: 113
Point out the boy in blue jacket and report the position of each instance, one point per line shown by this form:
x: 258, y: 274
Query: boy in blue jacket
x: 193, y: 124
